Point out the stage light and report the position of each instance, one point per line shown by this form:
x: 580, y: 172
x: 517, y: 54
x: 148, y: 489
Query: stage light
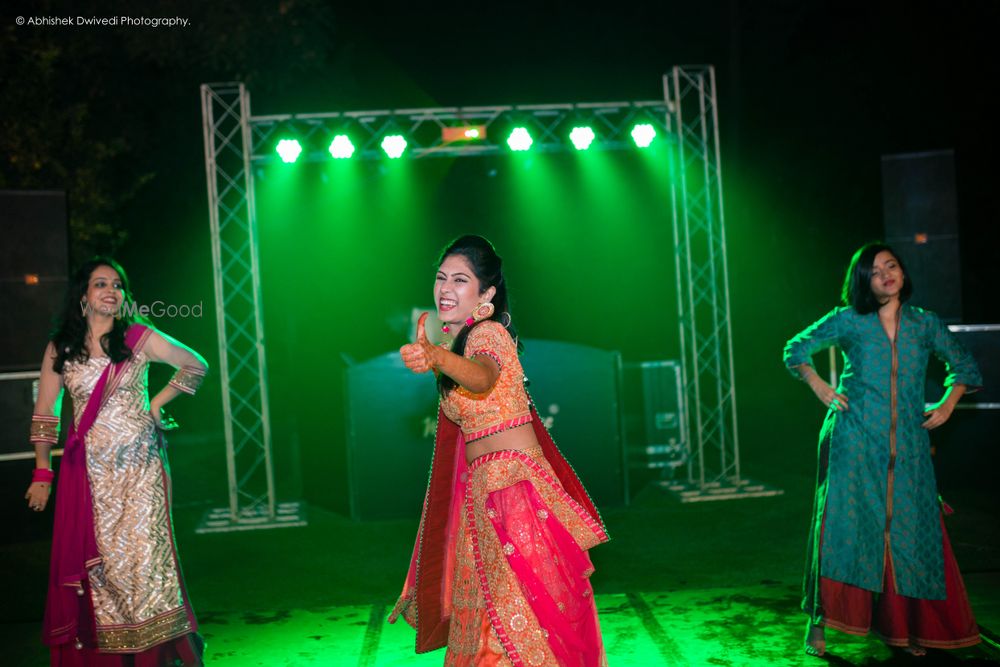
x: 394, y: 145
x: 289, y: 150
x: 643, y: 134
x: 581, y: 137
x: 341, y: 147
x: 519, y: 139
x: 463, y: 133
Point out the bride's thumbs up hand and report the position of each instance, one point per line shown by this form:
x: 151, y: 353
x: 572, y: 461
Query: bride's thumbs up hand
x: 419, y: 357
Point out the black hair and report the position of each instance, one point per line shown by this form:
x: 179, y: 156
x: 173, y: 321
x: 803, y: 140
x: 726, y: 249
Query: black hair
x: 488, y: 267
x: 857, y: 290
x: 69, y: 335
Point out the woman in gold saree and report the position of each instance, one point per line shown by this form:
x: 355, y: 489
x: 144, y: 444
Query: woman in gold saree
x: 116, y: 594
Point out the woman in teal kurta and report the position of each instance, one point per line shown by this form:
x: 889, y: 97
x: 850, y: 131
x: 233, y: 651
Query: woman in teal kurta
x: 877, y: 547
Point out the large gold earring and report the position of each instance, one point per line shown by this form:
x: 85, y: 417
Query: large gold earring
x: 482, y: 312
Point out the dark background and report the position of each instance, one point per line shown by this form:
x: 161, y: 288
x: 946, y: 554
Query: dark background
x: 811, y: 95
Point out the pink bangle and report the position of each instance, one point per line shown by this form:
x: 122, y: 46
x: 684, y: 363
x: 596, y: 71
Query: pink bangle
x: 43, y: 475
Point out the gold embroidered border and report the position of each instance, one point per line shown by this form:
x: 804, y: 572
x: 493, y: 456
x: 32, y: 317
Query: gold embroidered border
x: 135, y: 638
x: 931, y: 643
x: 187, y: 379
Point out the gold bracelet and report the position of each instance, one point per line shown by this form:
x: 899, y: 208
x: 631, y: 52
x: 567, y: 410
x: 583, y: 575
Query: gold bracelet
x: 44, y: 429
x: 188, y: 379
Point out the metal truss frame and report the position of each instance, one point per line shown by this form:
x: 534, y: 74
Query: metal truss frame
x: 702, y: 277
x: 548, y: 124
x: 239, y: 319
x: 235, y: 141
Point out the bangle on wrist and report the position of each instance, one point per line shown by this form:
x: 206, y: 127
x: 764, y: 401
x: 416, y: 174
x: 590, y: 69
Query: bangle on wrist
x: 44, y: 429
x: 187, y: 379
x: 43, y: 475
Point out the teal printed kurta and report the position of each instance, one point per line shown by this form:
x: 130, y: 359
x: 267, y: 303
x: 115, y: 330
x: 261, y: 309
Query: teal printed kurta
x: 876, y: 481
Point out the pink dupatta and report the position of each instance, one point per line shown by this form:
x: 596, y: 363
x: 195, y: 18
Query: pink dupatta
x: 425, y: 601
x: 74, y: 545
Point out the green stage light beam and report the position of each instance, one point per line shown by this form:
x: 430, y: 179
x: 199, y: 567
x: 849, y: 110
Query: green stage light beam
x: 643, y: 135
x: 519, y: 139
x: 394, y: 145
x: 581, y: 137
x: 341, y: 147
x: 289, y: 150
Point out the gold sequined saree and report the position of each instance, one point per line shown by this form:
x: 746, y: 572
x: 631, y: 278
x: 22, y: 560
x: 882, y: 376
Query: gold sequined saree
x: 115, y: 588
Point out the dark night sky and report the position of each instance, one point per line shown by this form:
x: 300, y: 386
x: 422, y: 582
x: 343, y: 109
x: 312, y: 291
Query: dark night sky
x: 811, y: 95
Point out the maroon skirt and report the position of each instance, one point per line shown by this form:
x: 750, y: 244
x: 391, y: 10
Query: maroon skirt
x: 899, y: 620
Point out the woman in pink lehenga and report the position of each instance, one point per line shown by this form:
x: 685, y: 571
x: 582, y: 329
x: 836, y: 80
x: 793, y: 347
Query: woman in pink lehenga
x: 116, y: 594
x: 500, y: 571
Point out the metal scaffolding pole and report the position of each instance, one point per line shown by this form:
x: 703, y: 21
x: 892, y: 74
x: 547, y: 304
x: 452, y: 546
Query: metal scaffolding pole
x: 242, y: 360
x: 706, y: 336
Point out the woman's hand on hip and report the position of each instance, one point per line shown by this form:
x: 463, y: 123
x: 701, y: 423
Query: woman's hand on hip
x: 156, y: 412
x: 939, y: 413
x: 162, y: 420
x: 828, y: 396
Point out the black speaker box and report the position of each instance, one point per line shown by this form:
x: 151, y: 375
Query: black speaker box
x: 34, y: 260
x: 17, y: 401
x: 654, y: 420
x: 920, y: 211
x: 967, y: 447
x: 983, y: 343
x: 577, y: 390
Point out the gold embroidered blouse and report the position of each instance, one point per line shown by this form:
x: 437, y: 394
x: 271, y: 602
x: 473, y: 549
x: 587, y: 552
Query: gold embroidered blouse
x: 503, y: 406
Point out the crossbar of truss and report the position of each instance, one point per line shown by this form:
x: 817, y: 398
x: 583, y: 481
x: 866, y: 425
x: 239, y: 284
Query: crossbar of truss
x: 548, y: 124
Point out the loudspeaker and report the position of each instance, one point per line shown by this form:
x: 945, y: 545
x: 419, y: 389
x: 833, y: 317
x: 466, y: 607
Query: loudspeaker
x: 392, y: 414
x: 34, y: 261
x: 920, y: 211
x: 654, y: 419
x: 966, y: 451
x: 983, y: 343
x: 391, y: 418
x: 17, y: 400
x: 17, y: 457
x: 577, y: 391
x: 18, y: 392
x: 654, y: 436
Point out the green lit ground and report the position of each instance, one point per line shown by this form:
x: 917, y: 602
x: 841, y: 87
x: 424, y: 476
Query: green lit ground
x: 702, y: 584
x: 754, y: 625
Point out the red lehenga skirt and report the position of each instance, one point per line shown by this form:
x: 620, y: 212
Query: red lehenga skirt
x: 500, y: 571
x: 899, y: 620
x: 521, y: 591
